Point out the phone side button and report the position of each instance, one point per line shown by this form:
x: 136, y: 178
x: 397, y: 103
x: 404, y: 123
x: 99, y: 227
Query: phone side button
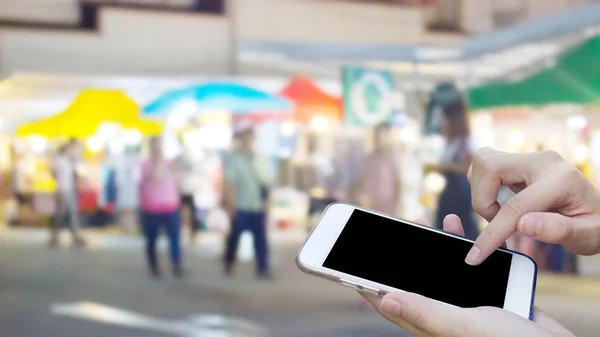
x: 368, y: 290
x: 359, y: 287
x: 348, y: 284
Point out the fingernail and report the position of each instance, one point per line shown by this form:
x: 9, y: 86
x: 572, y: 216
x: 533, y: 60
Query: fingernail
x: 473, y: 256
x: 530, y: 225
x: 391, y: 307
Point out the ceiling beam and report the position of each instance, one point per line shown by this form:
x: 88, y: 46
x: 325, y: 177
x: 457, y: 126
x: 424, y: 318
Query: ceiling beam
x: 570, y: 22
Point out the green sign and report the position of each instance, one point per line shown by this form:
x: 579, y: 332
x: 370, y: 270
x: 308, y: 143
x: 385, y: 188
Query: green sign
x: 367, y: 96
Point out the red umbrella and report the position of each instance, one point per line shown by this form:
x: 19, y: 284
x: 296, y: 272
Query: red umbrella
x: 311, y: 101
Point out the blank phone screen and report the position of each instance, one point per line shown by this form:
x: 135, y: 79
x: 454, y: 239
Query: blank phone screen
x: 417, y: 260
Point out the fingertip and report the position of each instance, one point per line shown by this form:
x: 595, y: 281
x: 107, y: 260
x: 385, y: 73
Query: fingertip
x: 474, y: 256
x: 490, y: 238
x: 453, y: 224
x: 452, y: 218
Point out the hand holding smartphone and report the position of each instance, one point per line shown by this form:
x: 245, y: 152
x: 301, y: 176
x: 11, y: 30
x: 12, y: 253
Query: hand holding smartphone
x: 377, y: 254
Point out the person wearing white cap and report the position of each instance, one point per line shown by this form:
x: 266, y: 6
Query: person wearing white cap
x: 246, y: 193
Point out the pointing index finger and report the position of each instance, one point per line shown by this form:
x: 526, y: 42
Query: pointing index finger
x: 537, y: 197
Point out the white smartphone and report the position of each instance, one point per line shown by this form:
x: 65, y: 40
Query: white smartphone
x: 377, y: 254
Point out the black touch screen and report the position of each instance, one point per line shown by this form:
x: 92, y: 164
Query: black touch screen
x: 414, y: 259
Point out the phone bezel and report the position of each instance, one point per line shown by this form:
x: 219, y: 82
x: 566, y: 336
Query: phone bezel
x: 311, y: 256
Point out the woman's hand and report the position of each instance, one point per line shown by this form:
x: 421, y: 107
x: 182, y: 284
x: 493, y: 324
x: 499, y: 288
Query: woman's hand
x: 424, y: 317
x: 554, y: 202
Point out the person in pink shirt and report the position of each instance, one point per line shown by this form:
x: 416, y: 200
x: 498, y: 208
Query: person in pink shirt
x: 380, y: 174
x: 159, y: 199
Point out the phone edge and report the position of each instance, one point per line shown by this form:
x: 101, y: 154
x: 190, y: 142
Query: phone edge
x: 312, y: 271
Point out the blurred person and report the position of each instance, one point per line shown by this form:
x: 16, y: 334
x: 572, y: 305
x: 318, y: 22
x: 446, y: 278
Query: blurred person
x: 159, y: 196
x: 380, y: 174
x: 127, y: 176
x: 21, y: 190
x: 246, y: 187
x: 455, y: 161
x: 188, y: 186
x: 318, y: 177
x: 108, y: 189
x: 67, y: 208
x: 545, y: 208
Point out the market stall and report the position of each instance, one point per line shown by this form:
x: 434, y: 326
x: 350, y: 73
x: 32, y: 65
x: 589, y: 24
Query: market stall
x: 106, y: 120
x: 89, y: 111
x: 555, y: 109
x: 308, y: 134
x: 329, y: 136
x: 202, y: 115
x: 562, y: 97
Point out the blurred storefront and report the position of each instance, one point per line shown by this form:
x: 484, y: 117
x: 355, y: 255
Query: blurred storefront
x: 553, y: 108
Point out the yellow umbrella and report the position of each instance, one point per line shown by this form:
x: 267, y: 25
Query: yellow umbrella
x: 47, y: 127
x: 102, y: 102
x: 77, y: 127
x: 89, y: 110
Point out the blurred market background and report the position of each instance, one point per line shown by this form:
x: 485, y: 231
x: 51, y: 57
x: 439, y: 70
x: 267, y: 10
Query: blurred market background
x: 313, y: 78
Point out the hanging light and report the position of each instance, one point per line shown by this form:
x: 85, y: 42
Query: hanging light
x: 408, y: 135
x: 516, y: 139
x: 181, y: 113
x: 108, y: 131
x: 288, y: 128
x: 132, y: 137
x: 38, y: 144
x: 434, y: 182
x: 319, y: 123
x: 94, y: 144
x: 580, y: 154
x: 577, y: 122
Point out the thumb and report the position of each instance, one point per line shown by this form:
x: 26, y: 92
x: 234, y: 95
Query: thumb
x: 425, y: 315
x: 580, y: 235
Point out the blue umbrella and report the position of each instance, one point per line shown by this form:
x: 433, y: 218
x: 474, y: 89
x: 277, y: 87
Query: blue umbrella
x: 216, y: 96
